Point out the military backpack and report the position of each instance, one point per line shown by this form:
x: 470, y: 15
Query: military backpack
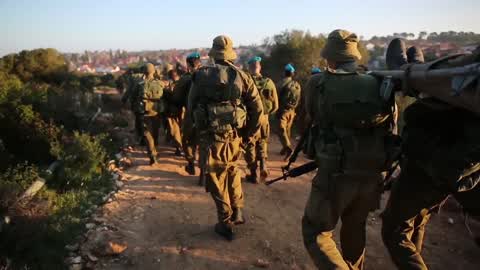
x: 354, y: 122
x: 266, y: 93
x: 150, y: 92
x: 290, y: 95
x: 220, y: 108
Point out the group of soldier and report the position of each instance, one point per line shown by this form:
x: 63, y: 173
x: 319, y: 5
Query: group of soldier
x: 221, y: 109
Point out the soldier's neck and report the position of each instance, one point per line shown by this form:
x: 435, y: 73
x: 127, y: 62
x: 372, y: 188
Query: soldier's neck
x: 223, y: 62
x: 344, y: 66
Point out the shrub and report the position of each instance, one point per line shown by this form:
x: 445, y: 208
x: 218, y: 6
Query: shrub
x: 14, y: 181
x: 82, y: 157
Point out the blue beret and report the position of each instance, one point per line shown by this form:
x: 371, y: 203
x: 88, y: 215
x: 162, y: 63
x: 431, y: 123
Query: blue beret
x: 316, y: 70
x: 254, y: 59
x: 194, y: 55
x: 290, y: 68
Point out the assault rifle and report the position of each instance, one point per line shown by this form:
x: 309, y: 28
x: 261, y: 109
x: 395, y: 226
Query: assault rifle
x: 303, y: 169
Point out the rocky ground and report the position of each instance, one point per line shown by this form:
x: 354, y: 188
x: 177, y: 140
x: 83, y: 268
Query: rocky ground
x: 160, y: 219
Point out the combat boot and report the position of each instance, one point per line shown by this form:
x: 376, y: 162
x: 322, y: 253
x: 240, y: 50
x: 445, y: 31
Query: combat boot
x: 190, y: 168
x: 225, y: 230
x: 252, y: 177
x: 263, y: 170
x: 153, y: 160
x: 237, y: 216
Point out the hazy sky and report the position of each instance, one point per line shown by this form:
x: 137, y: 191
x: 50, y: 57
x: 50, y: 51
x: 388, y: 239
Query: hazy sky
x: 76, y: 25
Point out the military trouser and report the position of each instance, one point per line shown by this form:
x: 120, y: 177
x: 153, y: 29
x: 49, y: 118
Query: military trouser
x: 189, y: 142
x: 411, y: 202
x: 285, y: 126
x: 138, y: 125
x: 257, y: 149
x: 334, y: 197
x: 223, y: 177
x: 151, y: 124
x: 174, y: 130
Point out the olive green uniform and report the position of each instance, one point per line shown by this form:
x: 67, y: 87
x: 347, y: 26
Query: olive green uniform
x: 288, y: 97
x: 350, y: 162
x: 257, y: 150
x: 180, y: 98
x: 219, y: 132
x: 131, y: 96
x: 173, y: 114
x: 149, y: 92
x: 442, y: 154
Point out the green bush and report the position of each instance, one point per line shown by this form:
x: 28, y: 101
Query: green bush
x: 14, y: 181
x: 83, y: 157
x: 41, y: 106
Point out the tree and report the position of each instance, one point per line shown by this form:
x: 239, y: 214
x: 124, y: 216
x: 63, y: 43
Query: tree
x: 302, y: 49
x: 422, y: 35
x: 39, y: 64
x: 299, y: 48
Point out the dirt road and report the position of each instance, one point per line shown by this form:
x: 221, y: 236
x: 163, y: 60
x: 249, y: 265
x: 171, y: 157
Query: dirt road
x: 166, y: 221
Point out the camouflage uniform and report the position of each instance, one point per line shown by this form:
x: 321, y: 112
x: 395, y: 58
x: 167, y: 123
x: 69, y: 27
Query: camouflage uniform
x: 288, y: 97
x: 350, y: 156
x: 257, y: 150
x: 222, y: 97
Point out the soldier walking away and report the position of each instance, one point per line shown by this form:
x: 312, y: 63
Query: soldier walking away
x: 441, y: 158
x: 223, y: 99
x: 131, y: 81
x: 350, y: 122
x: 180, y: 98
x: 173, y: 113
x: 256, y: 151
x: 288, y: 97
x: 148, y: 92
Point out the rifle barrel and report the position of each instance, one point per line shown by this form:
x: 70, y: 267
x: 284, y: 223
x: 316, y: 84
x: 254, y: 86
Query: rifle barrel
x: 468, y: 70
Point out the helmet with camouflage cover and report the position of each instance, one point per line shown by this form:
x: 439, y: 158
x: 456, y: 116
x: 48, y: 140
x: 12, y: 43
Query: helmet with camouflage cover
x: 342, y: 46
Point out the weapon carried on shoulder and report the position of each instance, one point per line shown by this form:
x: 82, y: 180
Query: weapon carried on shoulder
x: 295, y: 172
x: 452, y: 79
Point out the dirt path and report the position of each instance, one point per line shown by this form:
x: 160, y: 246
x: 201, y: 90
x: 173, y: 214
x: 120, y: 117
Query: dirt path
x: 166, y: 221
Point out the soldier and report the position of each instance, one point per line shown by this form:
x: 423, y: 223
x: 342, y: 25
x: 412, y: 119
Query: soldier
x: 349, y: 124
x: 180, y: 98
x: 223, y: 100
x: 131, y: 81
x: 288, y: 97
x: 148, y: 92
x: 174, y: 114
x: 441, y: 157
x: 256, y: 151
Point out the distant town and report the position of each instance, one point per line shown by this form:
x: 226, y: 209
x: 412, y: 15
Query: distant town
x: 434, y: 45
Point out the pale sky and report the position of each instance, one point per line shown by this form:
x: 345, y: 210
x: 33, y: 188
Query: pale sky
x: 78, y: 25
